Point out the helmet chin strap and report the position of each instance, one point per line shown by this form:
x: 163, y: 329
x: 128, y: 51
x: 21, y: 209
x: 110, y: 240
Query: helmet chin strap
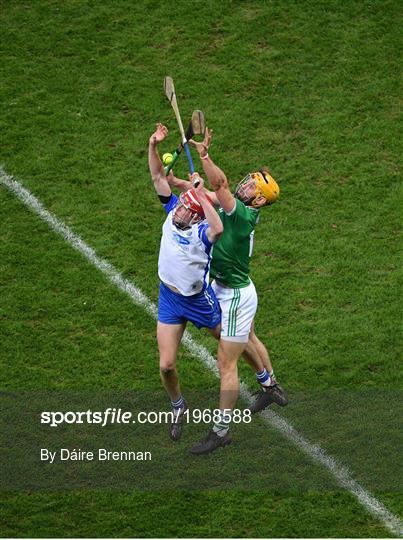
x: 181, y: 226
x: 248, y: 202
x: 266, y: 203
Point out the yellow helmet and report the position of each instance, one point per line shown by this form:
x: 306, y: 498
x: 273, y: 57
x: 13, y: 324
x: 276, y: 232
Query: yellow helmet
x: 255, y: 185
x: 267, y: 187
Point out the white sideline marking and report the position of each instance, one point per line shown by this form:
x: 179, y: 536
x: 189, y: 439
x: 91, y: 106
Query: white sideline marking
x: 313, y: 451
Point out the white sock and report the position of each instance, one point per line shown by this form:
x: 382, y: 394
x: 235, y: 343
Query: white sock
x: 221, y: 426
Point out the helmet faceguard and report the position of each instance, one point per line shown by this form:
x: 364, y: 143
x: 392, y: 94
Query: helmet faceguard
x: 188, y: 211
x: 256, y: 185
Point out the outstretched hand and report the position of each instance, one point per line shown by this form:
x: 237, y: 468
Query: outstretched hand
x: 202, y: 147
x: 159, y: 134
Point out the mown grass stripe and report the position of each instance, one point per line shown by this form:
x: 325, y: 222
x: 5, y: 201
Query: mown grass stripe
x: 313, y: 451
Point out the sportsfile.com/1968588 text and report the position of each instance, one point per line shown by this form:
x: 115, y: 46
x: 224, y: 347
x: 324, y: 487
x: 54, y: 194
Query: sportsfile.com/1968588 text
x: 113, y: 415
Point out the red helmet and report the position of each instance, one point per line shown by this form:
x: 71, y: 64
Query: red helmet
x: 193, y: 212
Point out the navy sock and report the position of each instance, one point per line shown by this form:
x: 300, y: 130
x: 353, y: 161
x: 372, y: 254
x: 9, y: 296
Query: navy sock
x: 178, y: 404
x: 263, y: 378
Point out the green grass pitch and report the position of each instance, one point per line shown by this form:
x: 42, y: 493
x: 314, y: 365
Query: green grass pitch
x: 309, y: 88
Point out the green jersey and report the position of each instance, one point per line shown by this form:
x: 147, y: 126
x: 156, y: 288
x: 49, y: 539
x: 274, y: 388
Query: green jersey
x: 231, y: 254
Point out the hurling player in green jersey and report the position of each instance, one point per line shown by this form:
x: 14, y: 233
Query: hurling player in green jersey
x: 235, y: 290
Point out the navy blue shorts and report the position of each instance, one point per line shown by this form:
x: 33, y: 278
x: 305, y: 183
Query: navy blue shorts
x: 202, y: 309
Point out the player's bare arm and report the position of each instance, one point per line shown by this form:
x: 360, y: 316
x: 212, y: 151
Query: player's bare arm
x: 216, y: 228
x: 215, y: 175
x: 178, y: 183
x: 154, y: 162
x: 184, y: 185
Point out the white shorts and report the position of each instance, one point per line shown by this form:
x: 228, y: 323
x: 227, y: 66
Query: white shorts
x: 238, y: 307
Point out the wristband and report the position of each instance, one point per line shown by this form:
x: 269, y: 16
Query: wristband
x: 204, y: 157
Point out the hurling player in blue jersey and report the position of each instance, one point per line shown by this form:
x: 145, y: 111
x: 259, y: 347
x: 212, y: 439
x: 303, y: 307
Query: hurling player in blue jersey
x: 190, y: 229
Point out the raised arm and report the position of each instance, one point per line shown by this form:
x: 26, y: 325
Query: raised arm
x: 214, y: 174
x: 178, y: 183
x: 154, y: 162
x: 213, y: 219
